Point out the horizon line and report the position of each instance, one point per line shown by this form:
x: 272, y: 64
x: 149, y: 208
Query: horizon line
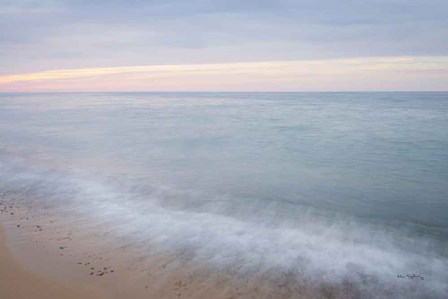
x: 226, y: 91
x: 367, y: 74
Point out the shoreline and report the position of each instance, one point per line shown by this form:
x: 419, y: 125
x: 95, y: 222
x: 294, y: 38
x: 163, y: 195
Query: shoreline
x: 72, y: 264
x: 65, y: 251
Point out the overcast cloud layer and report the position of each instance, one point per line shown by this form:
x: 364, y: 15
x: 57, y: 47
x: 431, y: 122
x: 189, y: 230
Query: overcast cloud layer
x: 39, y: 35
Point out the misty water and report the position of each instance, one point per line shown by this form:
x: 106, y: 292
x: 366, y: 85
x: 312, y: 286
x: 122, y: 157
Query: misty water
x: 331, y: 186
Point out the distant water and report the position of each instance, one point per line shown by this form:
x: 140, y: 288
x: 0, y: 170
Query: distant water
x: 335, y: 186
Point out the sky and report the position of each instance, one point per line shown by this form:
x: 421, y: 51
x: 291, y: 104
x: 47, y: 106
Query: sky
x: 199, y: 45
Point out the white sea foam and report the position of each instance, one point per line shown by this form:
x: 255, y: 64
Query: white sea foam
x: 322, y: 248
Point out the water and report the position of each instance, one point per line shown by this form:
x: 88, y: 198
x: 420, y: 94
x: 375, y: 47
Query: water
x: 332, y: 185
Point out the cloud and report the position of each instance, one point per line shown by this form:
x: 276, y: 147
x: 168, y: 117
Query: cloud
x: 37, y: 35
x: 380, y: 73
x: 68, y: 34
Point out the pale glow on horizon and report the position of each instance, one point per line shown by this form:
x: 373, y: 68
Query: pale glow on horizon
x: 373, y: 73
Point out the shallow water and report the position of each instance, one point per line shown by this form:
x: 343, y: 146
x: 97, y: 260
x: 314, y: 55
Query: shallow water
x: 331, y: 186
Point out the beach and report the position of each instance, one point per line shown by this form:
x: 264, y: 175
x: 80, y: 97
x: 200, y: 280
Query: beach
x: 18, y: 283
x: 61, y: 264
x: 33, y: 267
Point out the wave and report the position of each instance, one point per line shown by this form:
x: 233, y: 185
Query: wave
x: 243, y: 234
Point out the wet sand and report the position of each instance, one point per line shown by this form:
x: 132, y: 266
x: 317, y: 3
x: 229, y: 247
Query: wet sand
x: 63, y: 261
x: 18, y: 283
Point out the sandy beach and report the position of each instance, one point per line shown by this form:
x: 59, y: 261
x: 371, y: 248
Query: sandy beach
x: 54, y: 261
x: 18, y: 283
